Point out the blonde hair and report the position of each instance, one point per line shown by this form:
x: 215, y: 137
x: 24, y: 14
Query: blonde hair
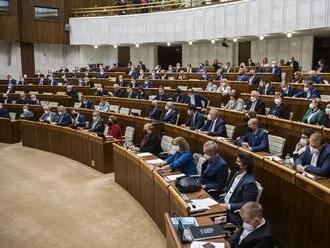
x: 182, y: 143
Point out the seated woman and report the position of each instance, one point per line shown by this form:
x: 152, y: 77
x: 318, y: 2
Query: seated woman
x: 314, y: 115
x: 150, y: 141
x: 235, y: 103
x: 297, y: 78
x: 181, y: 159
x: 326, y: 122
x: 181, y: 76
x: 266, y: 88
x: 279, y: 109
x: 224, y: 87
x: 211, y: 87
x: 303, y: 144
x: 114, y: 129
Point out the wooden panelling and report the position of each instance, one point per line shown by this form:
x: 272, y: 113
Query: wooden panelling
x: 9, y: 23
x: 88, y: 3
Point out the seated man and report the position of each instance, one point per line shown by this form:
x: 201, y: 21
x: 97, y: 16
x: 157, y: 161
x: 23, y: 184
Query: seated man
x: 100, y: 91
x: 303, y: 144
x: 241, y: 189
x: 215, y: 126
x: 276, y: 71
x: 170, y: 115
x: 51, y: 81
x: 77, y: 119
x: 155, y: 112
x: 22, y: 99
x: 287, y: 90
x: 179, y: 97
x: 10, y: 89
x: 5, y: 99
x: 242, y: 76
x: 255, y: 103
x: 104, y: 106
x: 130, y: 93
x: 102, y: 74
x: 48, y: 115
x: 150, y: 141
x: 309, y: 91
x: 161, y: 95
x: 147, y: 83
x: 86, y: 104
x: 317, y: 160
x: 97, y: 125
x: 253, y: 80
x: 315, y: 78
x: 214, y: 173
x: 256, y: 139
x: 196, y: 99
x: 265, y: 88
x: 255, y: 232
x: 34, y: 100
x: 10, y: 80
x: 195, y: 120
x: 4, y: 113
x: 279, y: 108
x: 27, y: 114
x: 121, y: 81
x: 64, y: 118
x: 134, y: 84
x: 117, y: 91
x: 204, y: 76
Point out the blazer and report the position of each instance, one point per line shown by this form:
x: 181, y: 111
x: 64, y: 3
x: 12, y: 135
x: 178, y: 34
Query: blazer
x: 135, y: 85
x: 4, y: 113
x: 214, y: 173
x: 259, y: 107
x: 326, y: 122
x: 270, y: 90
x: 169, y: 116
x: 281, y: 111
x: 324, y: 69
x: 120, y: 93
x: 152, y: 144
x: 6, y: 100
x: 52, y: 83
x: 243, y: 77
x: 259, y: 238
x: 254, y: 80
x: 99, y: 75
x: 115, y: 131
x: 195, y: 121
x: 311, y: 117
x: 163, y: 97
x: 101, y: 93
x: 121, y: 83
x: 147, y: 85
x: 289, y: 92
x: 88, y: 105
x: 48, y: 117
x: 238, y: 105
x: 312, y: 93
x: 155, y: 113
x: 323, y: 162
x: 245, y: 191
x: 64, y: 119
x: 258, y: 141
x: 13, y: 81
x: 276, y: 71
x: 182, y: 161
x: 316, y: 79
x: 79, y: 121
x: 182, y: 98
x: 104, y: 107
x: 22, y: 101
x: 96, y: 126
x: 219, y: 128
x: 198, y: 101
x: 29, y: 115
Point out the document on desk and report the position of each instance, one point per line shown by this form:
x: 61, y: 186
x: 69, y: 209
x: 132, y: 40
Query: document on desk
x: 155, y: 161
x: 206, y: 202
x: 173, y: 177
x: 201, y: 244
x: 273, y: 158
x: 144, y: 154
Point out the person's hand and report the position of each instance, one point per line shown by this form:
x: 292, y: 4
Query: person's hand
x: 224, y: 205
x: 135, y: 149
x: 300, y: 168
x: 298, y: 147
x: 183, y: 125
x: 245, y: 146
x: 203, y: 186
x: 227, y: 245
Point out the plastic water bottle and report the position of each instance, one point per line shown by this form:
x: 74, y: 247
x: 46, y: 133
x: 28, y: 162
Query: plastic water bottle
x: 288, y: 159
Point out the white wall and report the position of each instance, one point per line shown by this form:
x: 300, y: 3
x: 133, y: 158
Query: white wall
x: 48, y: 56
x: 275, y: 49
x: 10, y: 59
x: 199, y: 52
x: 148, y: 55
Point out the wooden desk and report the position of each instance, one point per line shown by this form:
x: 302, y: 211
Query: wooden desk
x: 9, y: 131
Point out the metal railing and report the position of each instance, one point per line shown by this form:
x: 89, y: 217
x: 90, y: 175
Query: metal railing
x: 155, y: 6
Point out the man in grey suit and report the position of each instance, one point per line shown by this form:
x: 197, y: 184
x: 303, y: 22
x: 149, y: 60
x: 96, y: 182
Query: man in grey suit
x: 97, y: 125
x: 27, y: 114
x: 48, y: 115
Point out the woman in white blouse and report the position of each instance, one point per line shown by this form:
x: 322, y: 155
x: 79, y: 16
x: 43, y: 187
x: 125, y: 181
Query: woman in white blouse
x: 224, y: 87
x: 211, y: 87
x: 235, y: 103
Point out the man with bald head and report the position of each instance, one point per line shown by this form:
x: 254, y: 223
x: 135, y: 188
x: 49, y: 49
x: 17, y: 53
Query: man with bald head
x: 215, y: 126
x: 255, y: 103
x: 170, y: 115
x: 155, y: 112
x: 256, y: 139
x: 255, y: 232
x: 48, y: 116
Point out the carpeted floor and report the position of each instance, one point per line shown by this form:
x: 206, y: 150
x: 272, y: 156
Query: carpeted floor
x: 48, y: 200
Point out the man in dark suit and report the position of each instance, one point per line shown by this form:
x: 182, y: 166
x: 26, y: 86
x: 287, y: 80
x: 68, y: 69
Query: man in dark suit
x: 276, y: 71
x: 215, y: 126
x: 279, y: 109
x: 147, y: 83
x: 265, y: 88
x: 134, y: 84
x: 78, y: 120
x: 322, y: 67
x: 48, y: 115
x: 204, y: 76
x: 155, y: 112
x: 253, y: 80
x: 287, y: 90
x: 42, y: 81
x: 130, y: 93
x: 179, y: 97
x: 22, y: 99
x: 33, y: 100
x: 317, y: 160
x: 214, y: 173
x: 86, y: 104
x: 118, y: 92
x: 241, y: 189
x: 309, y: 91
x: 102, y: 74
x: 150, y: 141
x: 294, y: 64
x: 162, y: 96
x: 4, y: 113
x: 72, y: 93
x: 197, y: 99
x: 51, y: 81
x: 10, y: 88
x: 100, y: 91
x: 121, y: 81
x: 5, y: 99
x: 97, y: 124
x: 250, y: 62
x: 255, y: 103
x: 170, y: 115
x: 315, y: 78
x: 10, y: 80
x: 256, y: 139
x: 195, y: 120
x: 27, y: 114
x: 242, y: 76
x: 255, y: 232
x: 64, y: 118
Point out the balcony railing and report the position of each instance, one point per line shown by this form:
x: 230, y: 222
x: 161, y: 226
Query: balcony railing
x: 121, y: 8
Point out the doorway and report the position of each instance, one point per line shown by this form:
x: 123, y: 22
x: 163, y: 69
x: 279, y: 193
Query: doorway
x: 169, y: 55
x: 244, y: 51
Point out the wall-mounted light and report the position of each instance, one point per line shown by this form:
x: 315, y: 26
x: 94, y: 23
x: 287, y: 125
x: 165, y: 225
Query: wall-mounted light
x: 190, y: 43
x: 96, y: 46
x: 213, y: 41
x: 115, y: 46
x: 289, y: 34
x: 261, y: 37
x: 137, y: 45
x: 168, y: 43
x: 235, y: 39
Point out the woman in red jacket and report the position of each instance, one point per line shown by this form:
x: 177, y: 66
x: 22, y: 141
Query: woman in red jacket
x: 114, y: 129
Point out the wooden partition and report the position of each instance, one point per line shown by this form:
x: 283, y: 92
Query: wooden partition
x: 9, y: 131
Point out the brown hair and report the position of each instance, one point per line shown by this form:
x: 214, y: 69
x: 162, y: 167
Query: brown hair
x: 182, y: 143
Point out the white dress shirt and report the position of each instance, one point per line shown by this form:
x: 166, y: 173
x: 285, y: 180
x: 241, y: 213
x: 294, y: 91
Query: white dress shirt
x: 237, y: 179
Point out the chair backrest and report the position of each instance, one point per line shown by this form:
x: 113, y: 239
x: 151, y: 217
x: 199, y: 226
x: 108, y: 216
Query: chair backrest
x: 166, y: 143
x: 177, y: 119
x: 267, y: 110
x: 12, y: 115
x: 114, y: 108
x: 230, y: 130
x: 53, y: 104
x: 325, y: 97
x: 199, y: 161
x: 276, y: 144
x: 79, y: 95
x: 47, y: 93
x: 182, y: 87
x: 77, y: 105
x: 124, y: 111
x: 129, y: 135
x: 61, y: 93
x: 167, y: 87
x: 197, y: 89
x: 44, y: 103
x: 34, y: 92
x: 291, y: 115
x: 283, y: 76
x: 19, y: 91
x: 136, y: 112
x: 260, y: 189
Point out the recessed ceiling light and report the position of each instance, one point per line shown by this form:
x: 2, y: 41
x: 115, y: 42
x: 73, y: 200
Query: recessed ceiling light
x: 137, y: 45
x: 168, y: 43
x: 190, y: 43
x: 213, y: 41
x: 96, y: 46
x: 235, y: 39
x: 261, y: 37
x: 115, y: 46
x: 289, y: 35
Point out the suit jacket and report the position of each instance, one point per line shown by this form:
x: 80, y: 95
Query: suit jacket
x: 182, y: 98
x: 291, y: 91
x: 64, y: 119
x: 243, y: 77
x: 270, y: 90
x: 155, y: 113
x: 22, y: 101
x: 169, y: 116
x: 182, y: 161
x: 96, y: 126
x: 5, y: 100
x: 214, y: 173
x: 311, y: 117
x: 259, y: 238
x: 51, y: 116
x: 219, y: 128
x: 281, y: 111
x: 254, y: 80
x: 259, y: 107
x: 152, y: 144
x: 4, y: 113
x: 13, y: 81
x: 311, y: 94
x: 258, y: 141
x: 324, y: 69
x: 79, y: 121
x: 99, y: 75
x: 323, y: 162
x: 29, y: 115
x: 316, y: 79
x: 121, y: 83
x: 198, y: 101
x: 295, y: 66
x: 195, y: 121
x: 88, y: 105
x: 101, y: 93
x: 276, y: 71
x: 147, y: 85
x: 53, y: 83
x: 163, y: 97
x: 120, y: 93
x: 326, y: 122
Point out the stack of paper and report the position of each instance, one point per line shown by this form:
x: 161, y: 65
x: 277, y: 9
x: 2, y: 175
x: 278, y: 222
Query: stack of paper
x: 201, y: 244
x: 206, y: 202
x: 173, y: 177
x: 144, y: 154
x: 155, y: 162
